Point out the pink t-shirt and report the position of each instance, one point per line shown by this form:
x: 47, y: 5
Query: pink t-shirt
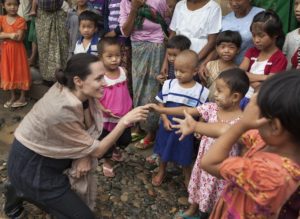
x: 151, y: 32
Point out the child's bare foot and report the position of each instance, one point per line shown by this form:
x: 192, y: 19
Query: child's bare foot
x: 158, y: 179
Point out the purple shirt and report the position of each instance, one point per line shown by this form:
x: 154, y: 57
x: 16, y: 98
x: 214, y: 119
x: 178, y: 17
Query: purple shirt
x: 151, y: 32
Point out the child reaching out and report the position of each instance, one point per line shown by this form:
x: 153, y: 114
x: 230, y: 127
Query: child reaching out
x: 227, y: 46
x: 266, y: 58
x: 116, y: 100
x: 89, y: 39
x: 182, y: 91
x: 174, y: 46
x: 14, y: 65
x: 260, y: 182
x: 205, y: 189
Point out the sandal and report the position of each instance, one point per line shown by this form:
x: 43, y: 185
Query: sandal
x: 18, y: 104
x: 144, y: 144
x: 135, y: 136
x: 181, y: 214
x: 7, y: 104
x: 108, y: 171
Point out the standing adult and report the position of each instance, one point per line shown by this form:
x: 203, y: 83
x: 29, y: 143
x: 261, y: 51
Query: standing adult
x: 51, y: 37
x: 61, y: 131
x: 144, y: 22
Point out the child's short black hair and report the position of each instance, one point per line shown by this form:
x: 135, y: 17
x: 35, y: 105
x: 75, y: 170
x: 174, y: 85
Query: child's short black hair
x: 236, y: 79
x: 106, y: 41
x: 179, y: 42
x: 229, y: 36
x: 90, y: 16
x: 278, y: 97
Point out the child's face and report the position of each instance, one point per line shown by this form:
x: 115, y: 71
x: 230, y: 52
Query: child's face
x: 260, y: 38
x: 11, y: 7
x: 223, y: 96
x: 87, y: 29
x: 227, y: 51
x: 172, y: 53
x: 297, y: 9
x: 184, y: 72
x: 111, y: 57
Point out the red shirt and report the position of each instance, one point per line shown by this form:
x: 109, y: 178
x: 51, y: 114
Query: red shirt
x: 276, y: 63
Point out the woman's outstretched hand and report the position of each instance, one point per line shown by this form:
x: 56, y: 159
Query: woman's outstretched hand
x: 136, y: 115
x: 185, y: 126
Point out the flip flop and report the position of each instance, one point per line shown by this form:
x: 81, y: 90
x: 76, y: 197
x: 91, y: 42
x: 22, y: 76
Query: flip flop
x: 7, y: 104
x: 18, y: 104
x: 144, y: 144
x: 181, y: 214
x: 135, y: 136
x: 108, y: 171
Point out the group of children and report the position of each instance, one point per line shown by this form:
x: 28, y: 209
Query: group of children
x: 216, y: 101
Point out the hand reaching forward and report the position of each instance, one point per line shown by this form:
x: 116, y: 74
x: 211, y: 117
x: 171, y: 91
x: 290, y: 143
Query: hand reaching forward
x: 185, y: 126
x: 136, y: 115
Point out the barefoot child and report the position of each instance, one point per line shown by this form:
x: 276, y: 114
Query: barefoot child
x: 182, y: 91
x: 116, y: 100
x: 266, y: 58
x: 260, y: 182
x: 205, y: 189
x: 14, y: 65
x: 227, y: 46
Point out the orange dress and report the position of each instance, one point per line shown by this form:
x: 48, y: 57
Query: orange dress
x: 258, y: 185
x: 14, y: 68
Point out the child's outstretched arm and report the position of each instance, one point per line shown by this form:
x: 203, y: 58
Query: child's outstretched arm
x: 176, y: 111
x: 188, y: 126
x: 219, y: 151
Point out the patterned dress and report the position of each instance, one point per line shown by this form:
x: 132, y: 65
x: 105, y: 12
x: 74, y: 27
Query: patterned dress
x: 205, y: 189
x: 258, y: 184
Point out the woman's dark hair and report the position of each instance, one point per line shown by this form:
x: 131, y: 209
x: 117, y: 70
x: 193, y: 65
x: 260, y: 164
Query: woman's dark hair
x: 272, y: 25
x: 90, y: 16
x: 229, y: 36
x: 278, y: 97
x: 107, y: 41
x: 236, y: 79
x: 78, y: 65
x: 179, y: 42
